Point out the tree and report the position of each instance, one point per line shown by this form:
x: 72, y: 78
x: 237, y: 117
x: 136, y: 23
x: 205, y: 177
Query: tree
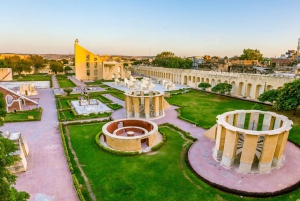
x: 250, y: 54
x: 56, y: 66
x: 65, y: 61
x: 204, y: 85
x: 67, y: 69
x: 289, y: 96
x: 7, y: 191
x: 38, y: 62
x: 269, y: 96
x: 12, y: 62
x: 2, y: 64
x: 68, y: 91
x: 22, y: 65
x: 222, y: 88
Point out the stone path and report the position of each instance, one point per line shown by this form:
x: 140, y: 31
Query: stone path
x: 47, y: 177
x: 55, y: 84
x: 77, y: 82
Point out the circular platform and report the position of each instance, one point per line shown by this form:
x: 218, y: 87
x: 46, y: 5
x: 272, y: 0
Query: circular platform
x: 284, y: 179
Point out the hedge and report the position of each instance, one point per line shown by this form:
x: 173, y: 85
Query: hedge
x: 114, y: 106
x: 186, y: 134
x: 40, y: 112
x: 159, y: 145
x: 74, y: 178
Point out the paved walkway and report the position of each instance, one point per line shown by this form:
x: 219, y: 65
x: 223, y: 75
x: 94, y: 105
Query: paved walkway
x: 55, y: 84
x: 77, y: 82
x: 47, y: 177
x: 200, y: 158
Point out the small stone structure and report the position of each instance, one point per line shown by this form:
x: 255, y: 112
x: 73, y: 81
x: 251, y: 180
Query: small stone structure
x: 263, y: 141
x: 27, y: 89
x: 85, y: 107
x: 22, y: 152
x: 130, y: 135
x: 15, y: 101
x: 145, y: 104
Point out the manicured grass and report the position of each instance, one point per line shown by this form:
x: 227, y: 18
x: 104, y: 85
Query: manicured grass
x: 203, y: 108
x: 68, y: 115
x: 142, y: 177
x: 63, y: 103
x: 22, y: 116
x: 32, y: 77
x: 114, y: 106
x: 64, y: 82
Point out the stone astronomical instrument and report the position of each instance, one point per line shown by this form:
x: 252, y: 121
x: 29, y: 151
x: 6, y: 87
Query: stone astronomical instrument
x: 130, y: 135
x: 252, y: 139
x: 145, y: 104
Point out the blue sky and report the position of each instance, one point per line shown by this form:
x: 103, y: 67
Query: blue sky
x: 139, y: 27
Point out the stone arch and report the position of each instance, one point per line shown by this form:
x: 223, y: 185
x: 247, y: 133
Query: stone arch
x: 198, y: 79
x: 95, y: 72
x: 87, y: 57
x: 213, y: 83
x: 87, y: 64
x: 269, y: 87
x: 119, y: 69
x: 190, y: 78
x: 258, y: 91
x: 249, y: 90
x: 95, y: 65
x: 202, y: 79
x: 219, y: 81
x: 113, y: 76
x: 194, y: 79
x: 241, y: 89
x: 207, y: 80
x: 233, y: 87
x: 88, y: 72
x: 185, y: 80
x: 9, y: 99
x: 226, y: 81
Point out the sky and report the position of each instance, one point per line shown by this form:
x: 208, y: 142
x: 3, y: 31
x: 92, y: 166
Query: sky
x: 143, y: 28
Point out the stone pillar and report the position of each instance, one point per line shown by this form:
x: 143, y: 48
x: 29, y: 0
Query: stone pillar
x: 129, y: 107
x: 230, y: 145
x: 241, y: 120
x: 136, y: 104
x: 147, y: 108
x: 142, y: 97
x: 267, y: 122
x: 253, y: 122
x: 156, y: 106
x: 161, y: 108
x: 280, y: 147
x: 229, y: 119
x: 248, y: 152
x: 220, y: 139
x: 267, y: 153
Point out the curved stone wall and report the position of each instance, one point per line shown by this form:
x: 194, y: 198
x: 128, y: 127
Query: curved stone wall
x: 130, y: 134
x: 145, y: 104
x: 246, y: 137
x: 243, y: 85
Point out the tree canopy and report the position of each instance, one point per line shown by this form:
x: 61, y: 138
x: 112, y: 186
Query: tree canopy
x: 17, y: 64
x: 56, y: 66
x: 222, y: 88
x: 170, y: 60
x: 287, y: 98
x: 251, y: 54
x: 204, y: 85
x: 38, y: 62
x: 269, y: 96
x: 67, y: 68
x: 7, y: 191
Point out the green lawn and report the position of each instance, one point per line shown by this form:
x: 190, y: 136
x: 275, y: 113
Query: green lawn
x: 114, y: 106
x: 32, y: 77
x: 63, y: 103
x: 64, y: 82
x: 22, y: 116
x: 146, y: 177
x: 203, y: 108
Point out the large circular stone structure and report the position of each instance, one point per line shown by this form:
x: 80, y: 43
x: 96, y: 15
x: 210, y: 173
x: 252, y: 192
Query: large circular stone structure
x: 250, y: 137
x: 131, y: 134
x: 145, y: 104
